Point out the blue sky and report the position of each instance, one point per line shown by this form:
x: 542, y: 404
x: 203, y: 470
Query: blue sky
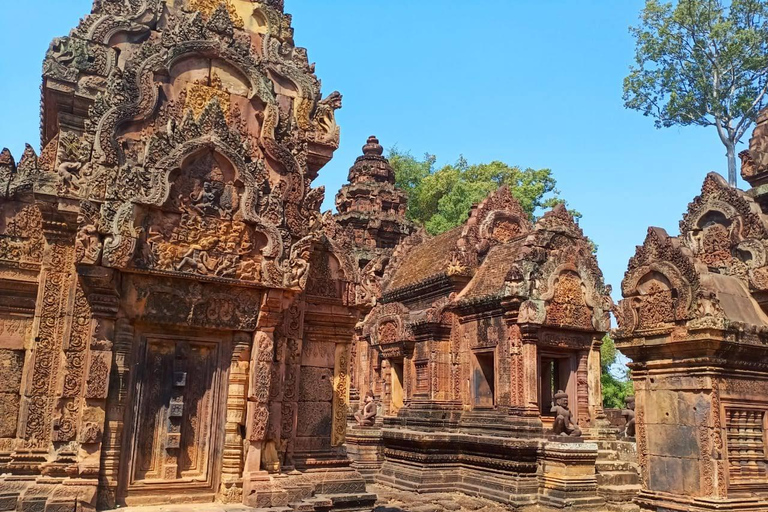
x: 535, y: 83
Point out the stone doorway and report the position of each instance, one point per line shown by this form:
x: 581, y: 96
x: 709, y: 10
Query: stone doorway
x: 484, y: 380
x: 555, y: 374
x: 177, y: 419
x: 397, y: 386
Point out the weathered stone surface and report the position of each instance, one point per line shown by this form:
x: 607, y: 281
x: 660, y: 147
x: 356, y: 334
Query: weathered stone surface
x: 470, y: 332
x: 693, y: 322
x: 166, y: 274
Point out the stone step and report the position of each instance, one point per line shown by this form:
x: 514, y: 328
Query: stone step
x: 618, y: 445
x: 615, y: 465
x: 619, y: 493
x: 618, y: 478
x: 302, y: 507
x: 607, y: 455
x: 622, y: 507
x: 207, y: 507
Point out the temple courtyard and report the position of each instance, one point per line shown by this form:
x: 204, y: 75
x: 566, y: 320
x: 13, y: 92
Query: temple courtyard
x: 182, y: 329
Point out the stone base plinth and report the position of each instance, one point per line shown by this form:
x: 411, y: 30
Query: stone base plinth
x: 568, y: 477
x: 364, y: 448
x: 46, y: 494
x: 497, y: 468
x: 650, y: 501
x: 336, y: 489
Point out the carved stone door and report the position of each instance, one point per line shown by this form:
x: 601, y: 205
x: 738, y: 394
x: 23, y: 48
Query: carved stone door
x: 177, y: 412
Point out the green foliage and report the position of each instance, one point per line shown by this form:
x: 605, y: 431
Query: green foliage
x: 615, y: 389
x: 703, y: 63
x: 441, y: 199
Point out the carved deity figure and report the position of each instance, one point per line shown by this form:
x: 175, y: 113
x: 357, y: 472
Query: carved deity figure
x: 197, y: 256
x: 564, y: 425
x: 298, y: 266
x: 206, y: 200
x: 629, y: 413
x: 70, y: 179
x: 366, y: 416
x: 88, y: 244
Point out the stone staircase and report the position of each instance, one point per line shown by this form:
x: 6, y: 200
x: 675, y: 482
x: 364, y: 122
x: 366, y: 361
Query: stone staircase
x: 618, y: 475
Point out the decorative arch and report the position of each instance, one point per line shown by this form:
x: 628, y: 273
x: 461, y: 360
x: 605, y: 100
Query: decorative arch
x: 168, y: 152
x: 568, y: 301
x: 657, y: 295
x: 496, y: 220
x: 134, y: 95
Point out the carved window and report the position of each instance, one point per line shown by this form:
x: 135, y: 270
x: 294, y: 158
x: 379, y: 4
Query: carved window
x: 745, y: 431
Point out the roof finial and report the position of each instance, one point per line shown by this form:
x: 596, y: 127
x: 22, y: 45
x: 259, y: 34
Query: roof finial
x: 373, y: 147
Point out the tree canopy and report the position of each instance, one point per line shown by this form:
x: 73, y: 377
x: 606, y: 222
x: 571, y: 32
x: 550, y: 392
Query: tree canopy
x: 703, y: 63
x: 615, y: 381
x: 441, y: 199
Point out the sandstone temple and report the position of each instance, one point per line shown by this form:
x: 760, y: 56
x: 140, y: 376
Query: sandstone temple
x: 180, y: 324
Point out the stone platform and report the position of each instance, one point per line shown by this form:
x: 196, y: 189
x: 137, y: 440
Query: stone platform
x: 390, y: 500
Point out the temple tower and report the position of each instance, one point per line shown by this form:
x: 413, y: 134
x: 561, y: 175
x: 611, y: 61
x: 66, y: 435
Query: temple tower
x: 693, y: 320
x: 371, y: 209
x: 175, y: 324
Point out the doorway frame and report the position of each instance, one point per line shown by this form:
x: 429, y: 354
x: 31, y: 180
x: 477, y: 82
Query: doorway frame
x: 130, y: 493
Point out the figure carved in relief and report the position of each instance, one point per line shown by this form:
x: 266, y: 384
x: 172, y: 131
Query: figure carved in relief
x: 629, y: 413
x: 88, y: 243
x: 197, y: 257
x: 564, y: 425
x: 227, y: 267
x: 69, y: 172
x: 62, y: 50
x: 205, y: 201
x: 299, y: 266
x: 154, y: 235
x: 366, y: 416
x: 326, y: 114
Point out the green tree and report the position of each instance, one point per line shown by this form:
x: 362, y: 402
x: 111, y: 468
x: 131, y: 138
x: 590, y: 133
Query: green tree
x: 702, y: 63
x: 441, y: 199
x: 615, y: 388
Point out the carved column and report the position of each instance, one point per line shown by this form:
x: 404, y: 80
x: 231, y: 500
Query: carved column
x: 384, y: 393
x: 99, y: 327
x: 341, y: 381
x: 293, y: 329
x: 50, y: 324
x: 595, y: 385
x: 260, y: 382
x: 115, y: 421
x: 516, y: 361
x: 530, y: 370
x: 258, y: 397
x: 232, y: 459
x: 505, y: 383
x: 355, y: 369
x: 582, y: 391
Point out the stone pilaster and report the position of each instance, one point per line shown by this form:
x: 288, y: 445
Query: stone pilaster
x: 231, y: 490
